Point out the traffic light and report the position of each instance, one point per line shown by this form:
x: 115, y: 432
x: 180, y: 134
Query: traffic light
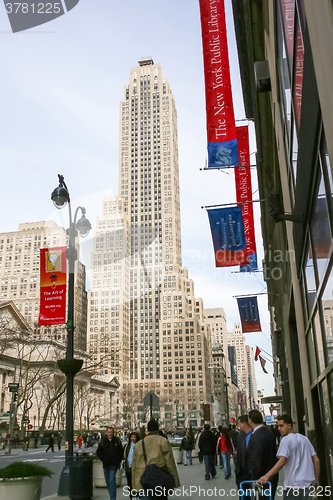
x: 15, y: 397
x: 232, y: 420
x: 29, y: 427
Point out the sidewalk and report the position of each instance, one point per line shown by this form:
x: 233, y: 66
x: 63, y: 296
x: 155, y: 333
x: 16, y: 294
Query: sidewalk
x: 193, y: 485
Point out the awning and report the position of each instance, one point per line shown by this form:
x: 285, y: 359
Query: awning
x: 271, y: 399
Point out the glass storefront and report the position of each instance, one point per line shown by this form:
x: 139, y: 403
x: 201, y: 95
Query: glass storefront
x: 327, y: 423
x: 317, y: 270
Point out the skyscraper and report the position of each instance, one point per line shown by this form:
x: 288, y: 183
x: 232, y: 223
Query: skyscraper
x: 216, y: 319
x: 20, y: 277
x: 166, y: 341
x: 236, y: 338
x: 148, y: 127
x: 253, y: 391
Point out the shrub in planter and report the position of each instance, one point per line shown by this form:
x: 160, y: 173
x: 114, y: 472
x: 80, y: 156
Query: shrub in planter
x: 22, y: 480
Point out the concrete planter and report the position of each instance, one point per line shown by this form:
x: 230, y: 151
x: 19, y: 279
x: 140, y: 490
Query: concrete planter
x: 119, y: 477
x: 98, y: 475
x: 178, y: 455
x: 29, y: 488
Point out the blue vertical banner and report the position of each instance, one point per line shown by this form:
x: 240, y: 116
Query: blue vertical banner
x: 249, y: 314
x: 228, y: 235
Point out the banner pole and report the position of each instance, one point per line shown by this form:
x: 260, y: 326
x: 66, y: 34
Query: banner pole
x: 234, y: 204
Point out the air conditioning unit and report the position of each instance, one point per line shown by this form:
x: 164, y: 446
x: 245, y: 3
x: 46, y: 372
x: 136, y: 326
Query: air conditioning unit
x: 262, y: 76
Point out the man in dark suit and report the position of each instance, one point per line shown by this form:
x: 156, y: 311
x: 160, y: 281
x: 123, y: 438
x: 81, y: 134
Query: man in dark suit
x: 261, y: 450
x: 243, y: 438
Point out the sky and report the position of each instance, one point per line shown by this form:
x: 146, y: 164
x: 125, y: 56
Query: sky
x: 61, y: 87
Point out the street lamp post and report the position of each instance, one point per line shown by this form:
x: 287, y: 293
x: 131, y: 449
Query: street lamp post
x: 177, y: 403
x: 69, y: 366
x: 226, y: 385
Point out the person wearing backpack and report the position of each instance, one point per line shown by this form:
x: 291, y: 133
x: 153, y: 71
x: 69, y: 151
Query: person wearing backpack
x: 153, y: 450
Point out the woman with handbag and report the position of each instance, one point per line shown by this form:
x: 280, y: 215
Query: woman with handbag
x: 129, y: 449
x: 153, y: 466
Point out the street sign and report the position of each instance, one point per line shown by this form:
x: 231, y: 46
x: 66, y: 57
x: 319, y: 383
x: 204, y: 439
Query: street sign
x: 152, y: 400
x: 13, y: 386
x: 240, y: 398
x: 25, y: 420
x: 256, y: 407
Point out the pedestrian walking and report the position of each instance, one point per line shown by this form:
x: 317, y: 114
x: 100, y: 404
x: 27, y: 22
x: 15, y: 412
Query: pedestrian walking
x: 79, y: 441
x: 186, y: 446
x: 299, y: 459
x: 241, y: 471
x: 197, y: 439
x: 59, y: 439
x: 233, y: 434
x: 261, y: 451
x: 110, y: 452
x: 16, y: 440
x: 217, y: 435
x: 36, y: 441
x: 224, y: 448
x: 51, y: 443
x: 26, y: 443
x: 207, y: 446
x: 153, y: 449
x: 128, y: 452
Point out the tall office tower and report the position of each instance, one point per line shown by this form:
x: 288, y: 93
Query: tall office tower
x: 216, y: 319
x: 108, y: 298
x: 237, y: 339
x: 149, y: 184
x: 20, y: 278
x: 168, y: 341
x: 253, y: 390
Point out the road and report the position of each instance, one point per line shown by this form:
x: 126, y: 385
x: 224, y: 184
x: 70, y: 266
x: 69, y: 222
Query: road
x: 54, y: 461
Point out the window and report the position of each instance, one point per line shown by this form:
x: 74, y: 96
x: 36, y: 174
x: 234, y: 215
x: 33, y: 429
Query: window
x: 320, y: 229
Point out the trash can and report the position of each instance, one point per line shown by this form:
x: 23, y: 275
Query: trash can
x: 81, y: 477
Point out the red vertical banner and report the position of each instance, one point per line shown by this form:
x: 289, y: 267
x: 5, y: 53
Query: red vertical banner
x: 240, y: 398
x: 244, y: 194
x: 288, y: 17
x: 53, y: 278
x: 221, y: 127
